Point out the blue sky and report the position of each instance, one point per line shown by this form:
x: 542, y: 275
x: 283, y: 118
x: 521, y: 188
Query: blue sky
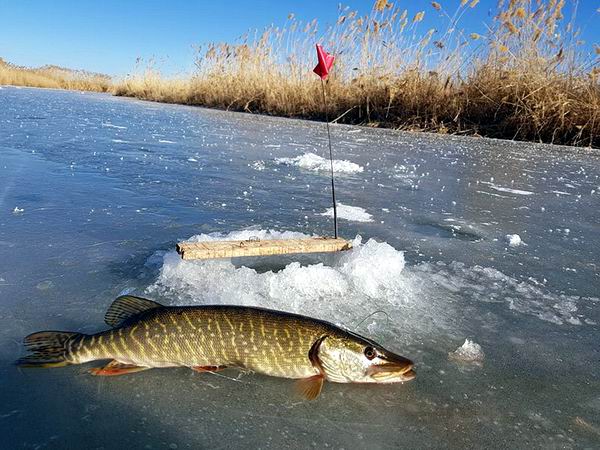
x: 108, y: 35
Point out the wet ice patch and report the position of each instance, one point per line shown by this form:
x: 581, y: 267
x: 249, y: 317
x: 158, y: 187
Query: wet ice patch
x: 351, y: 213
x: 470, y: 352
x: 315, y: 163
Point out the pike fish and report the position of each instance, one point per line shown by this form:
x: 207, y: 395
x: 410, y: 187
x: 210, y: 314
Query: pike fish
x: 146, y: 334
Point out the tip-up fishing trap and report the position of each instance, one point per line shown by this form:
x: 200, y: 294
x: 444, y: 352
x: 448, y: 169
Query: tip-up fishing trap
x: 257, y: 247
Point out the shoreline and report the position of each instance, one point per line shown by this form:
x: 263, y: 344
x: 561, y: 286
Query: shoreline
x: 531, y: 145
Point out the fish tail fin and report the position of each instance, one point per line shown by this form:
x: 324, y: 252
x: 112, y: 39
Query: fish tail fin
x: 47, y: 349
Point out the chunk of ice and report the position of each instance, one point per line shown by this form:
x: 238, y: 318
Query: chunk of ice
x: 351, y: 213
x: 514, y: 240
x: 316, y: 163
x: 470, y: 352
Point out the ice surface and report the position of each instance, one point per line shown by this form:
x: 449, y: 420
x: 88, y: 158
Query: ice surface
x: 470, y: 352
x: 316, y: 163
x: 352, y: 213
x: 431, y: 269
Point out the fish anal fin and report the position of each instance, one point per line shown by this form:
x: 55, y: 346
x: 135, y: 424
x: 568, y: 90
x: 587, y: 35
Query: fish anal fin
x: 126, y: 307
x: 115, y: 368
x: 310, y: 387
x: 208, y: 368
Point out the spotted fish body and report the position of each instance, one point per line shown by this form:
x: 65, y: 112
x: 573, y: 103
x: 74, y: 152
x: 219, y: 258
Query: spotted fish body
x: 260, y: 340
x: 146, y: 335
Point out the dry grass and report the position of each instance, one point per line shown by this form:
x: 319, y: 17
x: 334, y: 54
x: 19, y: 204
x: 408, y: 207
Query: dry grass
x: 526, y: 78
x: 53, y: 77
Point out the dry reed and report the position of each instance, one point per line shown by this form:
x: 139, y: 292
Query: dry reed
x: 526, y: 78
x: 53, y: 77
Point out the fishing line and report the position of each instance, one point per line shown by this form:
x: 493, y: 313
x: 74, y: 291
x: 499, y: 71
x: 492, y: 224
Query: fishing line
x: 387, y: 316
x: 335, y: 225
x: 237, y: 380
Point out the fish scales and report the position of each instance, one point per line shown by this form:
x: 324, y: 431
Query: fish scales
x: 146, y: 334
x: 211, y: 336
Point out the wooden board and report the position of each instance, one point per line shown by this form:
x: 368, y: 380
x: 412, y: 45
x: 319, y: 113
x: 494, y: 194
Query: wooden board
x: 233, y: 249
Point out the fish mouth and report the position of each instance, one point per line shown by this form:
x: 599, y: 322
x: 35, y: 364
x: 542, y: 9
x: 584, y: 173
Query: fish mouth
x: 392, y: 370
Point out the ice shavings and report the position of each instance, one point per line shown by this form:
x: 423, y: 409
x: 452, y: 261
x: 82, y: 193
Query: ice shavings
x: 258, y: 165
x: 426, y: 300
x: 344, y: 288
x: 488, y: 285
x: 316, y: 163
x: 351, y: 213
x: 470, y: 352
x: 248, y: 234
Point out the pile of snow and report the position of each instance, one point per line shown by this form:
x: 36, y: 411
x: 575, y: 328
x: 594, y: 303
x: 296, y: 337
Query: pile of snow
x: 470, y: 352
x: 514, y: 240
x: 365, y: 279
x: 315, y: 163
x: 351, y: 213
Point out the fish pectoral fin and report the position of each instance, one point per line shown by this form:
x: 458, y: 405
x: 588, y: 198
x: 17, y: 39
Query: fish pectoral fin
x: 115, y: 368
x: 310, y: 387
x: 208, y: 368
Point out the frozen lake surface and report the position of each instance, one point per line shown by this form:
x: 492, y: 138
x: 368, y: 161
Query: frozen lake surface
x: 493, y: 242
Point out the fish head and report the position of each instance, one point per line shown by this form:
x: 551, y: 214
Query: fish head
x: 355, y: 359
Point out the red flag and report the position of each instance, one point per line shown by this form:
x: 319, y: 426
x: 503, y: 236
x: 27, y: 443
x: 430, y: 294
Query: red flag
x: 325, y: 62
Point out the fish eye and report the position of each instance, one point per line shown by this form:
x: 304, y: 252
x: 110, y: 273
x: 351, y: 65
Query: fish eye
x: 370, y: 352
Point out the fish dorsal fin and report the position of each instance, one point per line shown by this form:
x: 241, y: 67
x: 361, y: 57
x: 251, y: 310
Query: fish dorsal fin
x: 127, y: 306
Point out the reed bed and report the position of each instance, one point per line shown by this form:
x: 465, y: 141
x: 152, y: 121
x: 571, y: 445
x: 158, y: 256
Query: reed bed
x: 527, y: 77
x: 53, y: 77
